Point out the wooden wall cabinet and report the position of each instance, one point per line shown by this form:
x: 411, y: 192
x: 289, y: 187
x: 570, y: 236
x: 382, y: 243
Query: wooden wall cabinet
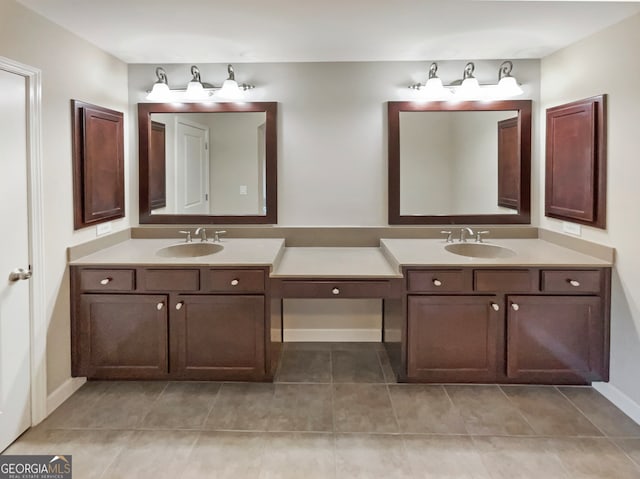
x: 98, y: 164
x: 576, y: 162
x: 517, y: 325
x: 171, y: 323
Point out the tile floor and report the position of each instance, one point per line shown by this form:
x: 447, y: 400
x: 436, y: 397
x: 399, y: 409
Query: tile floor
x: 335, y: 412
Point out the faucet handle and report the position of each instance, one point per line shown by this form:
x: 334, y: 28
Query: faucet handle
x: 449, y: 236
x: 216, y: 235
x: 479, y: 235
x: 188, y: 238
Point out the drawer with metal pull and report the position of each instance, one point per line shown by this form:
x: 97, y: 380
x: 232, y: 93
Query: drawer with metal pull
x: 438, y: 280
x: 107, y: 279
x: 571, y: 281
x: 235, y: 281
x: 335, y: 289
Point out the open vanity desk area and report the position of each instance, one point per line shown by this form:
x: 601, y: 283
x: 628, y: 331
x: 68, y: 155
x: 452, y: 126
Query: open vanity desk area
x: 532, y: 312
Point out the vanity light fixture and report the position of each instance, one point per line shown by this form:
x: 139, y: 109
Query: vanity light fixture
x: 196, y: 89
x: 468, y: 87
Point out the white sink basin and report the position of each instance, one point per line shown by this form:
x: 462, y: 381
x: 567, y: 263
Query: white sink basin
x: 189, y: 250
x: 479, y: 250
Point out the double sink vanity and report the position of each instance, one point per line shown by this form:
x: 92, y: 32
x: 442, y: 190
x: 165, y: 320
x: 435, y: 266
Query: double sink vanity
x: 504, y: 311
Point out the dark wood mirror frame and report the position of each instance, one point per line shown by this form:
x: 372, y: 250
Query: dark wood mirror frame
x: 271, y: 152
x: 523, y: 216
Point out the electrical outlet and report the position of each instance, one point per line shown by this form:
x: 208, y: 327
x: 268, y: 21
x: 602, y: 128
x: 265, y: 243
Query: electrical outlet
x: 572, y: 228
x: 243, y: 189
x: 103, y: 228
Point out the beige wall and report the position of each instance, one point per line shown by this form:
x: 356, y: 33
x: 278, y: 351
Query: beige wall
x: 71, y: 69
x: 608, y: 62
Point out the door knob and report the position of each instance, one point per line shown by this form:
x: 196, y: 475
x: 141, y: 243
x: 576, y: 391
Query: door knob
x: 19, y: 274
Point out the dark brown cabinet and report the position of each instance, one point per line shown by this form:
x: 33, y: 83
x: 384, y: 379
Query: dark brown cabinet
x: 452, y: 338
x: 218, y: 337
x: 517, y: 325
x: 167, y: 323
x: 98, y: 164
x: 555, y: 338
x: 123, y: 336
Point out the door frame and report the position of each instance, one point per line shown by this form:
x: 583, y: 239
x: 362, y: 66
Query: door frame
x: 35, y: 198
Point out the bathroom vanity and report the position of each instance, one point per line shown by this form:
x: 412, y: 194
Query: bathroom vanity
x: 533, y: 312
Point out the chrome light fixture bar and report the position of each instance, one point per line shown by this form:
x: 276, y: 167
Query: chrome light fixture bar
x: 196, y: 89
x: 468, y: 87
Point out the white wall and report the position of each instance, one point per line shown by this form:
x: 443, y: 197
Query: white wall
x: 608, y: 62
x: 71, y: 69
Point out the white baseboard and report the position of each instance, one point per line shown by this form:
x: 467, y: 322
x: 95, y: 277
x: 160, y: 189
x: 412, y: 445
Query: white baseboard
x: 332, y: 335
x: 64, y: 392
x: 619, y: 399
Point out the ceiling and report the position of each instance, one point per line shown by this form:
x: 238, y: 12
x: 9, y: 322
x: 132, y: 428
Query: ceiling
x: 213, y: 31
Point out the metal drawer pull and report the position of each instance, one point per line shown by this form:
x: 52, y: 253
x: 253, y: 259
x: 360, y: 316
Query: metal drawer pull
x: 235, y: 282
x: 495, y: 307
x: 573, y: 282
x: 106, y: 281
x: 437, y: 282
x: 179, y: 305
x: 335, y: 291
x: 515, y: 306
x: 159, y: 306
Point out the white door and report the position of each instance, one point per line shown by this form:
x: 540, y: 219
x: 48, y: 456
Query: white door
x: 15, y: 371
x: 192, y: 167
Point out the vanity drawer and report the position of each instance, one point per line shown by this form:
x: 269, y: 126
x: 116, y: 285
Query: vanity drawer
x: 335, y: 289
x: 436, y: 281
x: 235, y: 280
x: 520, y: 281
x: 571, y: 281
x: 170, y: 279
x: 107, y: 279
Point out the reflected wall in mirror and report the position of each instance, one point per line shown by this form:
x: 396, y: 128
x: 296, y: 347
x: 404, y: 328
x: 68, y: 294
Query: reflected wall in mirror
x: 458, y: 163
x: 208, y: 163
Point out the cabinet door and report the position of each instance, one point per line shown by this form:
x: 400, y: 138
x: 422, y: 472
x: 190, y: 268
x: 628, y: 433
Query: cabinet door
x: 452, y: 338
x: 218, y: 337
x: 555, y: 339
x: 124, y: 336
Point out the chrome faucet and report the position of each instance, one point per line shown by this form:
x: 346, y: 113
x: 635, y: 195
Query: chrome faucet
x: 216, y: 236
x: 463, y: 233
x: 203, y: 233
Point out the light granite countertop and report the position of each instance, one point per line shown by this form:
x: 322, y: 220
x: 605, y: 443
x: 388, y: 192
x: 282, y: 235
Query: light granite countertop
x: 236, y: 252
x: 336, y: 262
x: 528, y: 253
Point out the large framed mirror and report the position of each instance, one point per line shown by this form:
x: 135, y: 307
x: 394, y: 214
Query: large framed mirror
x: 208, y: 163
x: 460, y: 162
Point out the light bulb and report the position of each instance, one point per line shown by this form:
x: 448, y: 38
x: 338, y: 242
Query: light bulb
x: 159, y: 92
x: 469, y: 90
x: 508, y: 86
x: 230, y: 91
x: 195, y: 91
x: 434, y: 90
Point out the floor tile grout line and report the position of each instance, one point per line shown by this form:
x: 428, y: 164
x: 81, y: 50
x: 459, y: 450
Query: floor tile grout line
x: 393, y: 409
x: 213, y: 405
x: 157, y: 398
x: 455, y: 406
x: 604, y: 434
x: 517, y: 409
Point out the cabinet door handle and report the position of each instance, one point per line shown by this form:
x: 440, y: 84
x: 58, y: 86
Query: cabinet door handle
x: 437, y: 282
x: 335, y: 291
x: 495, y: 306
x: 105, y: 281
x: 179, y: 305
x: 573, y: 283
x: 515, y: 306
x: 159, y: 306
x: 235, y: 282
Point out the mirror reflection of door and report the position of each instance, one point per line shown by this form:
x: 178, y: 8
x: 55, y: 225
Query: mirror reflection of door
x: 508, y: 163
x: 192, y: 172
x: 232, y: 168
x: 157, y: 166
